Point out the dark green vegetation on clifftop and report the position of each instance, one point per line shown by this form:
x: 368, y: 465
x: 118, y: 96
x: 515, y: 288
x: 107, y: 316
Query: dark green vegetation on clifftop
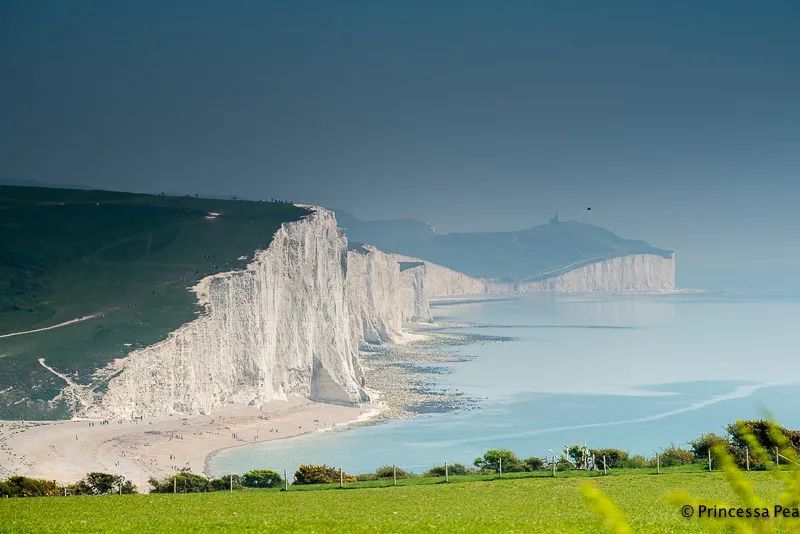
x: 126, y: 259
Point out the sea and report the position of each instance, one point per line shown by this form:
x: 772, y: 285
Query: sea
x: 637, y: 372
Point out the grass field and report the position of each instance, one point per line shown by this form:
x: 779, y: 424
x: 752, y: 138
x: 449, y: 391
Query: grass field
x: 68, y: 253
x: 537, y: 503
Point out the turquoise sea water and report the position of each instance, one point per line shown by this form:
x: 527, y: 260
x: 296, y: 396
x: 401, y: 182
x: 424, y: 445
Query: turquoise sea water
x: 636, y: 372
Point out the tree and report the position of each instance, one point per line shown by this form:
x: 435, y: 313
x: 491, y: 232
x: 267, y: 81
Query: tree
x: 19, y: 486
x: 491, y: 461
x: 613, y: 457
x: 533, y: 463
x: 97, y: 483
x: 705, y: 443
x: 261, y: 478
x: 768, y: 434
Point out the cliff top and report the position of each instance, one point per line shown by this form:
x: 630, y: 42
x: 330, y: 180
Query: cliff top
x: 116, y: 266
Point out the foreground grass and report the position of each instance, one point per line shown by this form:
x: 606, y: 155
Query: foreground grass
x: 467, y: 504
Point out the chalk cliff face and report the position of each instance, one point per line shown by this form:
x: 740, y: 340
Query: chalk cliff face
x: 626, y: 274
x: 439, y: 281
x: 414, y: 296
x: 282, y: 327
x: 292, y: 322
x: 373, y: 291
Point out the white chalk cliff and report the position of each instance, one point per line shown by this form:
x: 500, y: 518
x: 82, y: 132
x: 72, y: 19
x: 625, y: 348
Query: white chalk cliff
x: 292, y: 322
x: 626, y: 274
x: 635, y: 273
x: 279, y: 328
x: 383, y: 295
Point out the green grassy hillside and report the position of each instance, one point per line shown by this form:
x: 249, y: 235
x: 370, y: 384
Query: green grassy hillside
x: 530, y: 504
x: 129, y: 258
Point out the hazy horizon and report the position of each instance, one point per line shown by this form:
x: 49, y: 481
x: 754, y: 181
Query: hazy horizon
x: 677, y: 123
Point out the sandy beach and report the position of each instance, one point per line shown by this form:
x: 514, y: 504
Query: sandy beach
x: 65, y: 451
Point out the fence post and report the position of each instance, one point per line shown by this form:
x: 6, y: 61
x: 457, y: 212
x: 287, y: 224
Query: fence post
x: 777, y: 457
x: 658, y: 463
x: 394, y: 475
x: 747, y: 457
x: 231, y: 481
x: 285, y: 481
x: 554, y: 464
x: 605, y: 467
x: 446, y: 473
x: 175, y: 484
x: 341, y: 478
x: 709, y: 460
x: 501, y: 466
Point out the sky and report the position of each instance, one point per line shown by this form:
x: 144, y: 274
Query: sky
x: 677, y: 122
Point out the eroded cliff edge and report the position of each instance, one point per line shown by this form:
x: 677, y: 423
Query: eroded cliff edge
x: 279, y: 328
x: 292, y: 322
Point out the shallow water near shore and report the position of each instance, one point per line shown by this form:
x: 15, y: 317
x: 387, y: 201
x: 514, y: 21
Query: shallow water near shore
x: 637, y: 373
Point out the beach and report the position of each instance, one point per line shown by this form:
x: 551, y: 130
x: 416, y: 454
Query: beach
x: 65, y: 451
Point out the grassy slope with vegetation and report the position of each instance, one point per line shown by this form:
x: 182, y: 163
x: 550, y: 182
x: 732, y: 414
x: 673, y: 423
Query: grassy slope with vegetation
x: 521, y: 502
x: 68, y: 253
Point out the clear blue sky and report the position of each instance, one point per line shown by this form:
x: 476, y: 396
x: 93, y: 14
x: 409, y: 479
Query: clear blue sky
x: 678, y: 122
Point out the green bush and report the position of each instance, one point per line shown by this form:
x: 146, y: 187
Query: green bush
x: 387, y: 471
x: 261, y: 478
x: 707, y: 442
x: 760, y: 430
x: 613, y: 457
x: 533, y: 463
x: 182, y: 483
x: 563, y: 465
x: 452, y: 469
x: 100, y: 484
x: 674, y: 455
x: 636, y: 461
x: 223, y: 483
x: 366, y: 477
x: 319, y: 474
x: 491, y: 461
x: 19, y: 486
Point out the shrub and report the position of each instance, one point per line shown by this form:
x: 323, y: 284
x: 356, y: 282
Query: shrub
x: 452, y: 469
x: 636, y: 461
x: 19, y: 486
x: 533, y: 463
x: 764, y: 432
x: 613, y: 457
x: 707, y: 442
x: 387, y: 471
x: 319, y: 474
x: 491, y: 461
x: 261, y: 478
x: 182, y: 482
x: 366, y: 477
x: 223, y: 483
x: 100, y: 484
x: 674, y: 455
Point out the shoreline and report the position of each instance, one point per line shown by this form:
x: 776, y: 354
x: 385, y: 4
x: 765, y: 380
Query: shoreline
x: 401, y: 384
x: 64, y: 451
